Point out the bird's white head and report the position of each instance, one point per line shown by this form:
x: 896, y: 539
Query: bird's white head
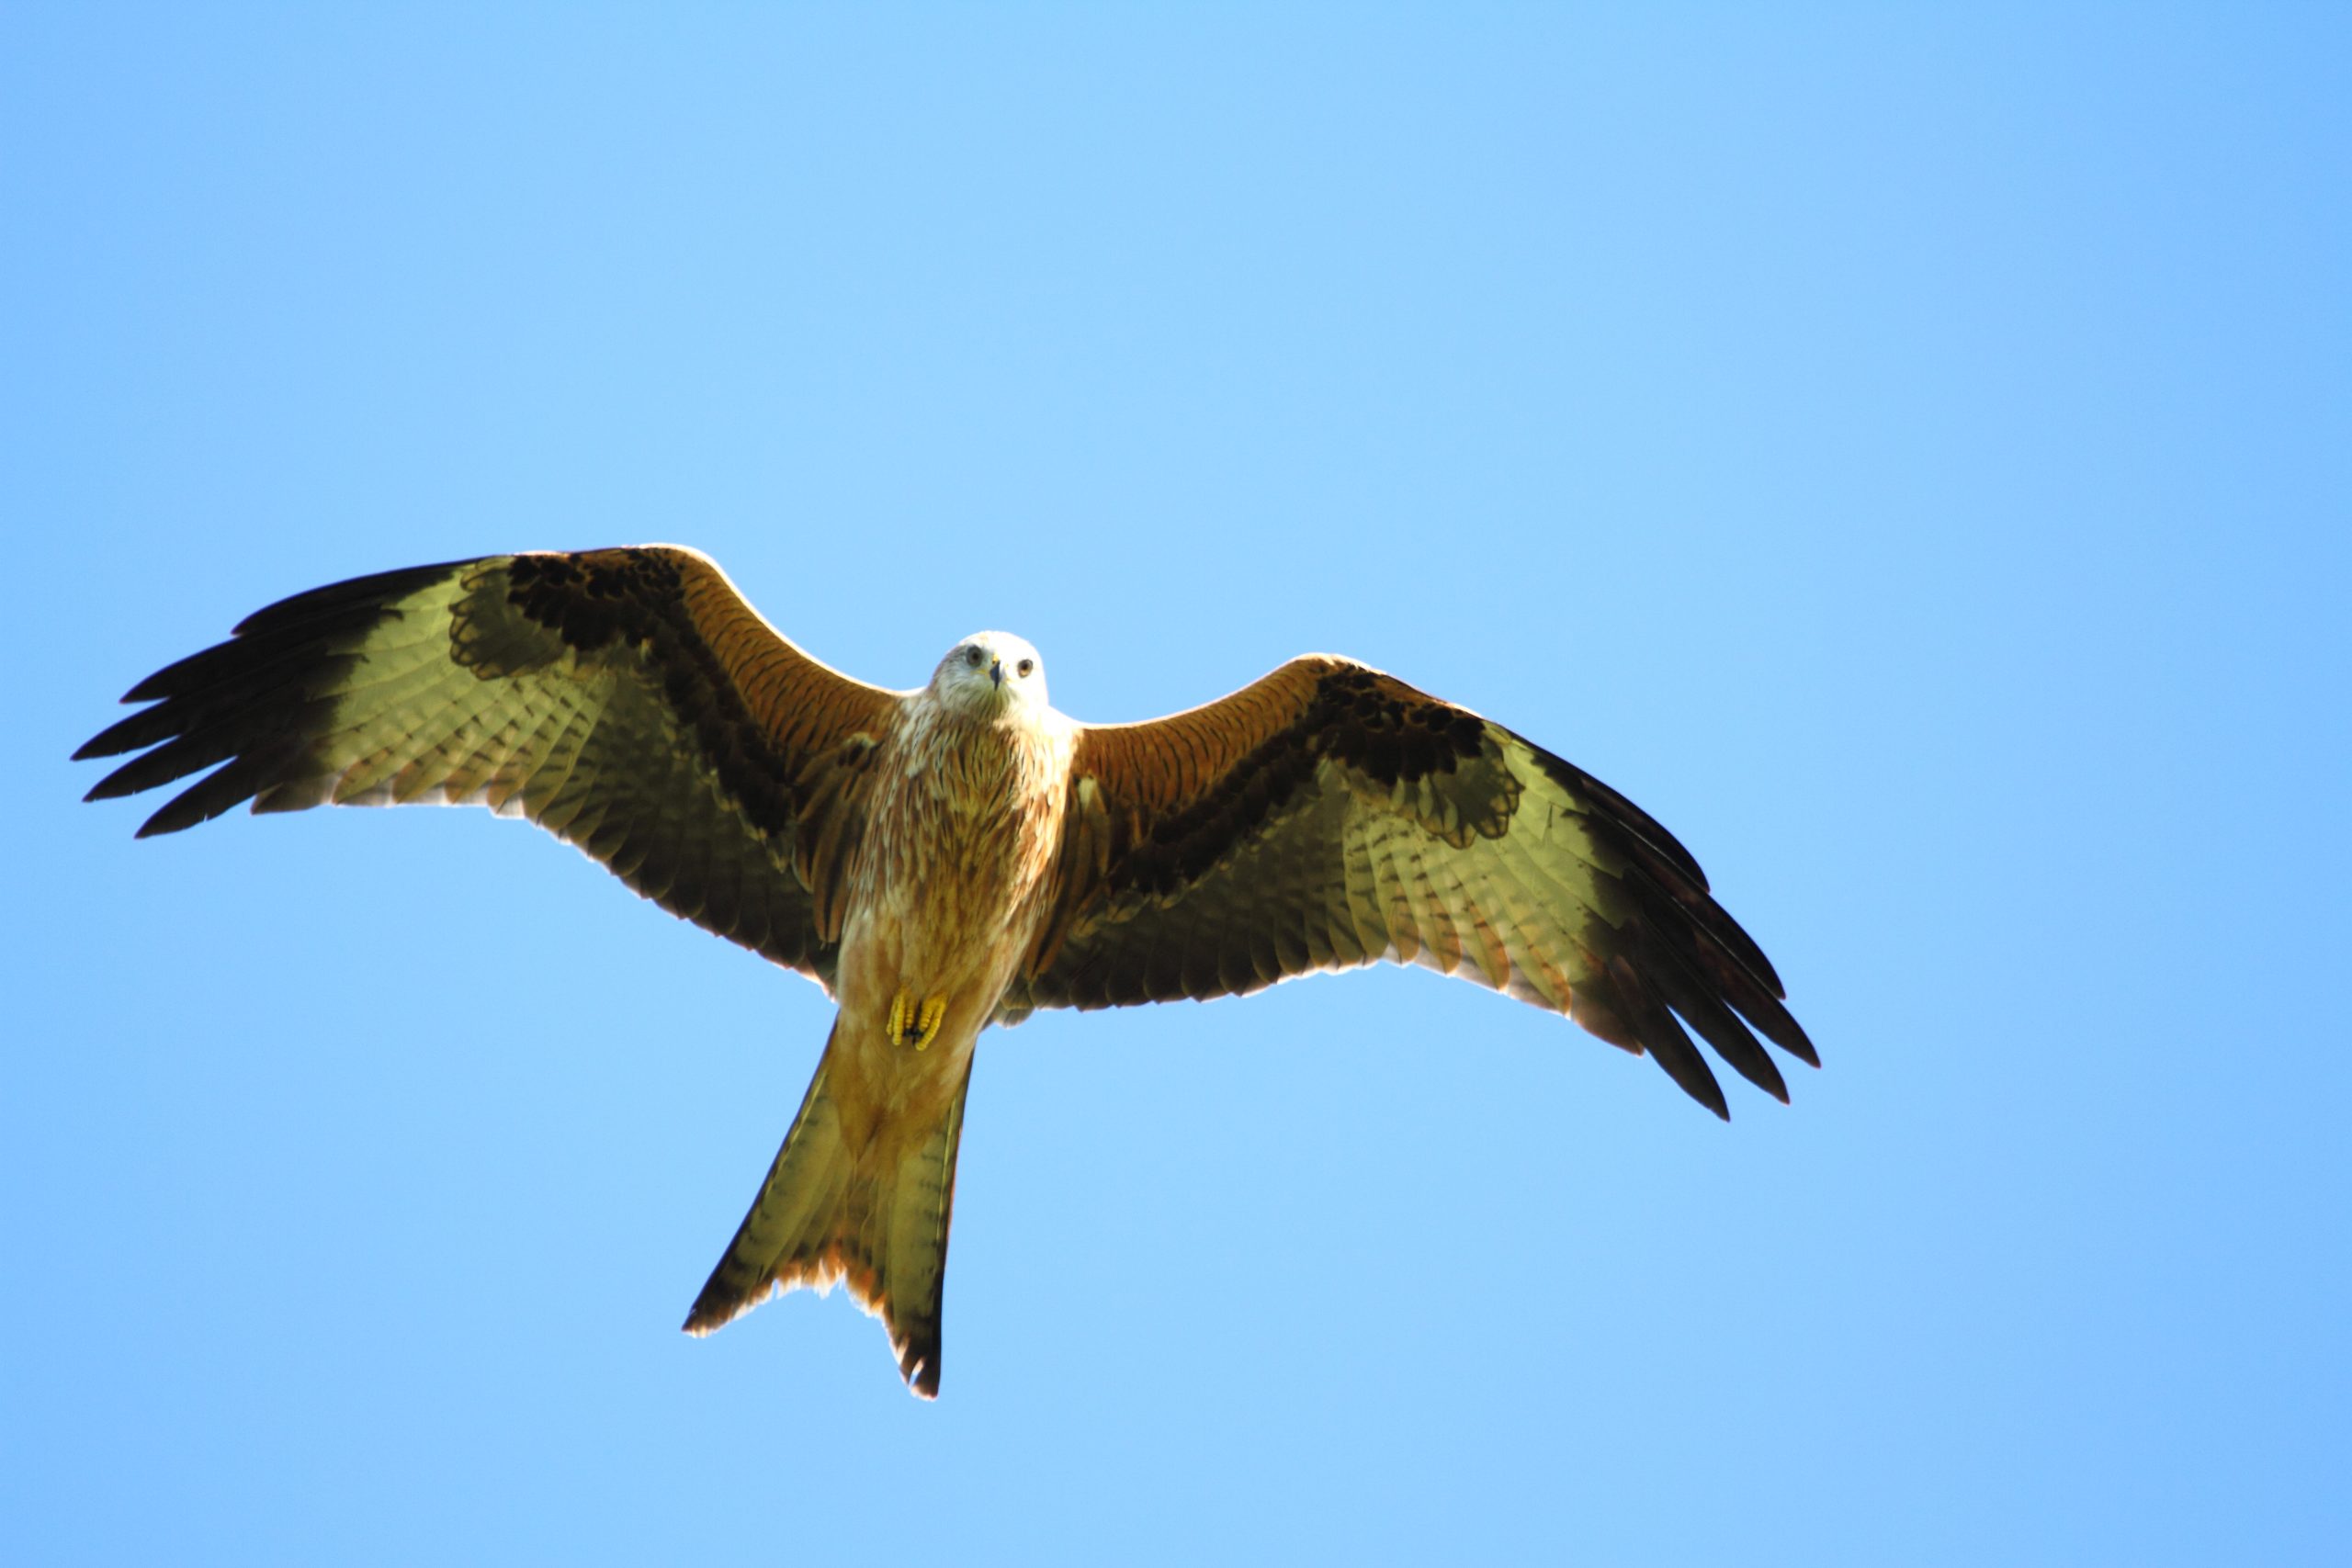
x: 990, y: 674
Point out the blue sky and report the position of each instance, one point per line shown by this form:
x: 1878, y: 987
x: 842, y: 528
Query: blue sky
x: 1911, y: 456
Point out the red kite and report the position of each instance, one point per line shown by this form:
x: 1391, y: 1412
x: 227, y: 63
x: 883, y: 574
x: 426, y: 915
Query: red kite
x: 945, y: 858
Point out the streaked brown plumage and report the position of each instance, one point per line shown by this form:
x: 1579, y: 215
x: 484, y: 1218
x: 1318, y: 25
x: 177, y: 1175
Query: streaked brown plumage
x: 956, y: 856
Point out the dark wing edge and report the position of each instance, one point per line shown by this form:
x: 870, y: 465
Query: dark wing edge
x: 1330, y: 816
x: 628, y: 700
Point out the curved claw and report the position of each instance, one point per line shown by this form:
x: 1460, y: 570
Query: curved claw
x: 916, y: 1025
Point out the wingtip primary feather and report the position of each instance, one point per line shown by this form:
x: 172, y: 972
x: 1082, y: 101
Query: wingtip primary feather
x: 1654, y: 1024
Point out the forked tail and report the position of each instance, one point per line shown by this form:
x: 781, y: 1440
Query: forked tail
x: 875, y: 1218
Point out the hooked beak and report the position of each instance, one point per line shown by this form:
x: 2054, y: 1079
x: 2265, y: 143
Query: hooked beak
x: 996, y: 673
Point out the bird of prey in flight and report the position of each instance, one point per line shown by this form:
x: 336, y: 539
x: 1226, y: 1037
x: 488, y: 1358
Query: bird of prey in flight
x: 956, y: 856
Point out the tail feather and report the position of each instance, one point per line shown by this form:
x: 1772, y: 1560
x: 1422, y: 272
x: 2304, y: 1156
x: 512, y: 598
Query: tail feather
x: 790, y: 1237
x: 875, y: 1218
x: 916, y: 1204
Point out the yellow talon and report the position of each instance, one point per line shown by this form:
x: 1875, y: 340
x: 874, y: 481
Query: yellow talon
x: 911, y: 1025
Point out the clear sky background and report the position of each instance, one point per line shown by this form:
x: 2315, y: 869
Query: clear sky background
x: 1911, y: 456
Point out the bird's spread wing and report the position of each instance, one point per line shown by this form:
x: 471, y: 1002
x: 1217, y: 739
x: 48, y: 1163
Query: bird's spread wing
x: 1330, y: 816
x: 628, y: 700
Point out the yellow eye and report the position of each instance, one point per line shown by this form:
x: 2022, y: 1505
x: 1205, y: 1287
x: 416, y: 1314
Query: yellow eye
x: 1028, y: 667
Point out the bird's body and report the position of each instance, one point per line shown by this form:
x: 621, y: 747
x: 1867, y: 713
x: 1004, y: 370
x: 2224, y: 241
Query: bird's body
x: 966, y: 816
x: 957, y: 855
x: 944, y: 900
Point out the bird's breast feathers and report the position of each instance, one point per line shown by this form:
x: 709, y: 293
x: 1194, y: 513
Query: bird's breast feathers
x: 960, y: 840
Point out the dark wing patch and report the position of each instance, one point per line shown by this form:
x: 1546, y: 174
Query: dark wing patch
x: 1330, y: 816
x: 628, y: 700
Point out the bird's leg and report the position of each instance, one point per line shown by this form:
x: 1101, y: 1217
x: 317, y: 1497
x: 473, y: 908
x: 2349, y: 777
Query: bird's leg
x: 914, y: 1025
